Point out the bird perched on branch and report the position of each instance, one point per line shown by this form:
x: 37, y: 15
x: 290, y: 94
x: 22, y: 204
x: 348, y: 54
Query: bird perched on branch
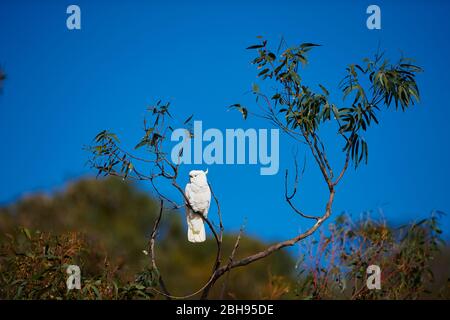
x: 198, y: 195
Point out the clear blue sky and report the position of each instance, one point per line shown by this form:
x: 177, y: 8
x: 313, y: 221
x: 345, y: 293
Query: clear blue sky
x: 64, y: 86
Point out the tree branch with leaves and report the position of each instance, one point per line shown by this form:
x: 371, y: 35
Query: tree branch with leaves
x: 300, y: 112
x: 293, y: 107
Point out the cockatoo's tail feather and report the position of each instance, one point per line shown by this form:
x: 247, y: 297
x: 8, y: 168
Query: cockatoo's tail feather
x: 196, y: 230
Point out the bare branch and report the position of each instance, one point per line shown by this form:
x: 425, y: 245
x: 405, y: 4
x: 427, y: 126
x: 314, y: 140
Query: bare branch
x: 290, y: 197
x: 347, y: 160
x: 152, y: 250
x: 231, y: 259
x: 219, y: 246
x: 321, y: 153
x: 275, y: 247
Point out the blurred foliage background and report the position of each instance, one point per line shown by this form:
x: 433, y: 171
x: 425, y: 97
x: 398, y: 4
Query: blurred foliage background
x: 104, y: 226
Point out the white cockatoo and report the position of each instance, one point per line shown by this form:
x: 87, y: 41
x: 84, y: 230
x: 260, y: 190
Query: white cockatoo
x: 199, y: 196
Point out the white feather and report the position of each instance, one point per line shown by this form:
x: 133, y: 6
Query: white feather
x: 198, y: 195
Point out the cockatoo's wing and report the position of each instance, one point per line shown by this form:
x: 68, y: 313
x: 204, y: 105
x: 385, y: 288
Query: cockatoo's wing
x: 199, y: 198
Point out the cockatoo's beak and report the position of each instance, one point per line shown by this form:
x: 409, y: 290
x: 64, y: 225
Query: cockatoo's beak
x: 206, y: 171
